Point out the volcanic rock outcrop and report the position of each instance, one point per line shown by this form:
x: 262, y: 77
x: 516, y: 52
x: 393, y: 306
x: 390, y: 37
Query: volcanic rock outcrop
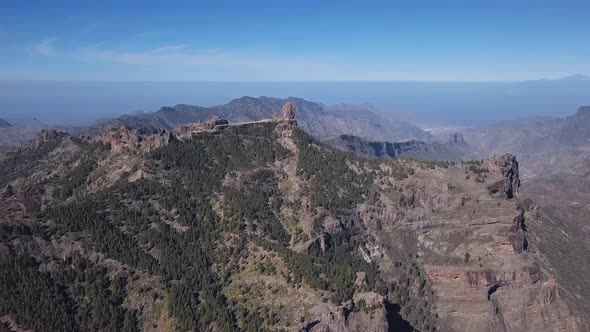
x: 518, y: 232
x: 289, y: 111
x: 122, y: 138
x: 213, y: 124
x: 455, y: 149
x: 507, y: 167
x: 456, y: 138
x: 46, y: 135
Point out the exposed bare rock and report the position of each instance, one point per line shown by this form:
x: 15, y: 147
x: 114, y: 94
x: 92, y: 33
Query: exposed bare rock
x: 122, y: 138
x: 371, y: 318
x: 321, y: 243
x: 456, y: 138
x: 518, y: 232
x: 213, y: 124
x: 475, y: 251
x: 46, y: 135
x: 12, y: 211
x: 11, y: 324
x: 8, y: 192
x: 360, y: 280
x: 506, y: 167
x: 289, y: 111
x: 454, y: 150
x: 155, y: 141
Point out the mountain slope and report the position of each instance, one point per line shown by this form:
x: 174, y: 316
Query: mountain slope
x: 4, y: 124
x: 454, y: 150
x: 258, y: 226
x: 20, y: 131
x: 313, y: 118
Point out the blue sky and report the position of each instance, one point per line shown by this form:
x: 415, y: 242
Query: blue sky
x: 293, y: 40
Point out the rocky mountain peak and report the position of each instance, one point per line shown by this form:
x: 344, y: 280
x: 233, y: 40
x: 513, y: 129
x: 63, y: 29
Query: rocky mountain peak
x: 289, y: 111
x: 122, y: 138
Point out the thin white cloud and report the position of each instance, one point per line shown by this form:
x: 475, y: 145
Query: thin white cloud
x: 184, y: 56
x: 45, y: 47
x: 164, y: 49
x: 214, y: 64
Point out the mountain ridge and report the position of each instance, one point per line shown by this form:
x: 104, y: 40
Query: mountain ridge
x: 243, y: 216
x: 317, y: 119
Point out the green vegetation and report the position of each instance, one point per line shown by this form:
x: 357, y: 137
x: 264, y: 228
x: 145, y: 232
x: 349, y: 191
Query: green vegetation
x: 333, y: 184
x: 478, y: 169
x: 414, y: 294
x: 21, y: 163
x: 472, y: 162
x: 75, y: 178
x: 78, y: 296
x: 432, y: 164
x: 134, y: 224
x: 257, y: 203
x: 333, y: 270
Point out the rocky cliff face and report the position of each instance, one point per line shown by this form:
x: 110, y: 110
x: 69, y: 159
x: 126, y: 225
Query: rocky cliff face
x: 456, y: 149
x: 122, y: 138
x: 555, y: 164
x: 506, y: 167
x: 456, y: 138
x: 477, y: 253
x: 187, y: 130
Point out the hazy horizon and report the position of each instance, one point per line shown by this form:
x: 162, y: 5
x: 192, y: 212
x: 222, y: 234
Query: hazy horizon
x: 423, y: 103
x: 456, y: 63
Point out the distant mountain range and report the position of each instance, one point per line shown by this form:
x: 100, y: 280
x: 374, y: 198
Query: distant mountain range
x: 576, y: 77
x: 316, y: 119
x: 554, y: 156
x: 537, y: 141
